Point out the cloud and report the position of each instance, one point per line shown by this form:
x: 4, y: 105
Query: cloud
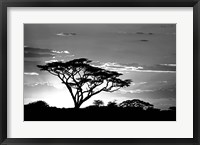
x: 54, y: 60
x: 146, y: 33
x: 59, y: 57
x: 141, y: 83
x: 159, y: 68
x: 155, y: 71
x: 168, y: 93
x: 116, y: 67
x: 31, y: 73
x: 144, y: 40
x: 135, y: 33
x: 140, y: 33
x: 123, y: 68
x: 135, y: 91
x: 70, y: 55
x: 36, y: 50
x: 151, y: 33
x: 138, y: 83
x: 168, y: 64
x: 55, y: 85
x: 30, y: 66
x: 54, y: 51
x: 159, y: 93
x: 64, y: 34
x: 30, y: 52
x: 131, y: 64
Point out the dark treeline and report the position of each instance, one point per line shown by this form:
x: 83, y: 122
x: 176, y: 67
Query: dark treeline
x: 129, y: 110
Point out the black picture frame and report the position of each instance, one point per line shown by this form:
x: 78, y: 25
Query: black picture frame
x: 4, y: 4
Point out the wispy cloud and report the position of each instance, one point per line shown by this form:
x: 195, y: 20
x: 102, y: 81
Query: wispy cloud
x: 42, y: 52
x: 55, y: 85
x: 144, y: 40
x: 143, y: 33
x: 60, y: 57
x: 54, y: 60
x: 55, y: 51
x: 113, y: 66
x: 135, y: 33
x: 117, y: 67
x: 29, y: 54
x: 123, y: 91
x: 64, y: 34
x: 138, y: 83
x: 167, y: 68
x: 28, y: 49
x: 31, y: 73
x: 141, y: 83
x: 155, y: 71
x: 138, y: 91
x: 168, y: 64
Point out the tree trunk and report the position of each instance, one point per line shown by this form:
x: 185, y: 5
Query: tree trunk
x: 77, y: 106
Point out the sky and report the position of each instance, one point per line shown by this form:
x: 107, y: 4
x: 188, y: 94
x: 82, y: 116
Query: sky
x: 144, y: 53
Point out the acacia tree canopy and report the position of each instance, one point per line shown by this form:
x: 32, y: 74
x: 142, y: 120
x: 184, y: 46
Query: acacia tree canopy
x: 84, y: 80
x: 136, y: 103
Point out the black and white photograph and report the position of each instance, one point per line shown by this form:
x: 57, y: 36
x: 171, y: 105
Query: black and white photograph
x: 99, y: 72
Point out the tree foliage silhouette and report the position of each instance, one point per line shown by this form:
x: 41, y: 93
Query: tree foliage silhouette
x: 98, y: 103
x: 136, y: 103
x: 84, y: 80
x: 112, y: 104
x: 38, y: 104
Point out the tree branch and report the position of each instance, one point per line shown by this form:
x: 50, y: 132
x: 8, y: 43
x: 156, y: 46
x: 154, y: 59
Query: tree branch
x: 84, y: 80
x: 69, y: 88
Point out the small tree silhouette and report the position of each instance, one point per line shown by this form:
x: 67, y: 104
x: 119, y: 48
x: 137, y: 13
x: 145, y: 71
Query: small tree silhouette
x: 112, y: 104
x: 98, y: 103
x: 84, y: 80
x: 136, y: 103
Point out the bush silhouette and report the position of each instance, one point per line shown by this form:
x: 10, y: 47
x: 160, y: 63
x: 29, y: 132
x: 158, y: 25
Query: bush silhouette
x: 112, y: 104
x: 38, y: 104
x: 41, y: 111
x: 136, y: 103
x: 98, y: 103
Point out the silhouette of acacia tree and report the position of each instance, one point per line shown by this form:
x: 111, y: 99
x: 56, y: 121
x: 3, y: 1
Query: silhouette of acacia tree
x: 98, y: 103
x: 136, y: 103
x: 84, y: 80
x: 112, y: 104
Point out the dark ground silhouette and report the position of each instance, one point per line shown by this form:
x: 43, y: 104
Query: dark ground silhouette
x: 138, y: 111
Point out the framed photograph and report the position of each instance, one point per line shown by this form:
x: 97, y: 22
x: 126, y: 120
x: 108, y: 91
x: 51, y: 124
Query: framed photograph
x: 109, y: 72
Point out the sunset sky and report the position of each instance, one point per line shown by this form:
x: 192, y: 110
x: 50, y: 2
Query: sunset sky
x: 144, y: 53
